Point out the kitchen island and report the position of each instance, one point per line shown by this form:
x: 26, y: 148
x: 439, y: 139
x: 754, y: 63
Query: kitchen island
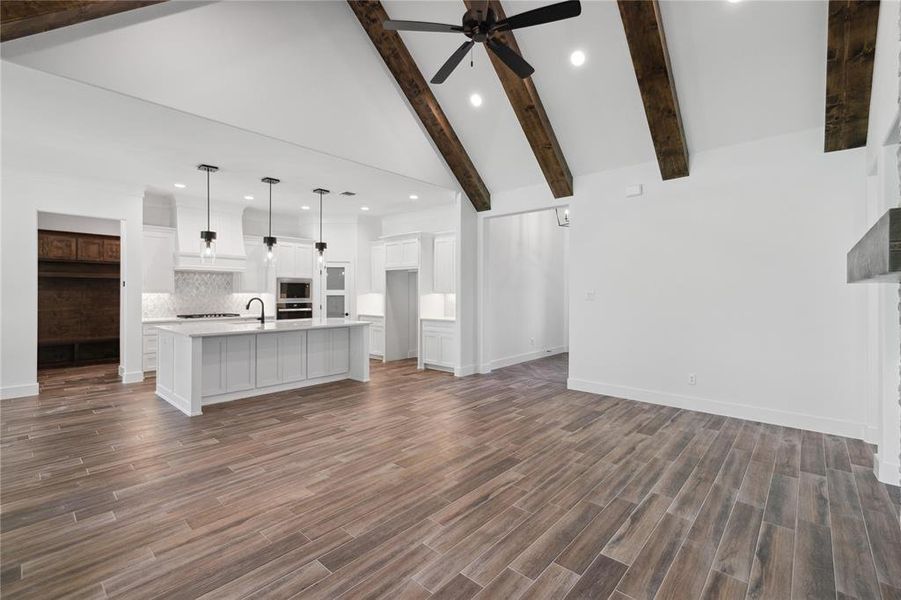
x: 211, y: 362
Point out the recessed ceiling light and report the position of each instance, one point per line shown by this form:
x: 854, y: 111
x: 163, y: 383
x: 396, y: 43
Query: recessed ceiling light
x: 475, y: 100
x: 180, y: 186
x: 364, y: 208
x: 734, y: 1
x: 414, y: 197
x: 304, y: 208
x: 248, y: 197
x: 577, y: 58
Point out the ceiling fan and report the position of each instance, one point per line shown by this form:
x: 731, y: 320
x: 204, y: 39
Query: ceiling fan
x: 481, y: 25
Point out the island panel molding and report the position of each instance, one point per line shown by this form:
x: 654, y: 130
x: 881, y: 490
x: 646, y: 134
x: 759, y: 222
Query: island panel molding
x: 394, y: 52
x: 207, y: 363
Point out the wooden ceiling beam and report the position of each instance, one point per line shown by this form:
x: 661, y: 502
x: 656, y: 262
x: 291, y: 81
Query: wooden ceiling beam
x: 21, y: 18
x: 850, y: 53
x: 393, y: 51
x: 650, y: 58
x: 527, y: 105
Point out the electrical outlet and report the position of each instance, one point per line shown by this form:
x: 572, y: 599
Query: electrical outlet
x: 589, y: 296
x: 531, y: 341
x: 692, y: 380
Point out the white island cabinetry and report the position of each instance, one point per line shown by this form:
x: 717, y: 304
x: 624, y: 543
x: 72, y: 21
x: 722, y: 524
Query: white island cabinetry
x: 207, y: 363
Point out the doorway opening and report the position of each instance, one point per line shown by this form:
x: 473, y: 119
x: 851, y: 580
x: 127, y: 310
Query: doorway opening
x: 78, y: 291
x: 401, y: 315
x: 526, y: 275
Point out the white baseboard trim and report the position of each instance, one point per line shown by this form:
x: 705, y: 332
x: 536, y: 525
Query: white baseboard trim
x: 132, y: 377
x: 726, y: 409
x: 887, y: 471
x: 182, y: 404
x: 484, y: 369
x: 871, y: 435
x: 464, y: 371
x: 19, y: 391
x: 506, y: 361
x: 121, y: 370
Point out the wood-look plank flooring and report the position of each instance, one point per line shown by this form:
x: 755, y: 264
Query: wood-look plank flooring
x: 419, y: 485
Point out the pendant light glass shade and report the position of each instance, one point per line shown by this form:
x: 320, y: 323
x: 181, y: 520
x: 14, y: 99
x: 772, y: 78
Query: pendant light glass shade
x: 207, y: 247
x: 269, y: 240
x: 208, y: 236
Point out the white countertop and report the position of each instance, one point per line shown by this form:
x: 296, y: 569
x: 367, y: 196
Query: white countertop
x: 444, y: 319
x: 208, y: 329
x: 159, y: 320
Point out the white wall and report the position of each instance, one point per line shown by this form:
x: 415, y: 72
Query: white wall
x: 735, y: 274
x: 429, y: 220
x: 57, y: 222
x: 23, y: 196
x: 526, y: 287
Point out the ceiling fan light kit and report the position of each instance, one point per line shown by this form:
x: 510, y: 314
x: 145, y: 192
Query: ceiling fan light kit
x: 481, y: 26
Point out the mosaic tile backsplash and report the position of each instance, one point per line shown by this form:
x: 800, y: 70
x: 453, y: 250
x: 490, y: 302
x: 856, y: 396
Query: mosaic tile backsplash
x: 201, y: 293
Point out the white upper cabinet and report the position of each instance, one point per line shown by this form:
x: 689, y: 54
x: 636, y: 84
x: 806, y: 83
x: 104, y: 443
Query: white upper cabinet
x: 258, y: 275
x: 293, y: 259
x: 377, y: 256
x: 445, y: 265
x: 159, y: 260
x: 285, y: 259
x: 402, y: 254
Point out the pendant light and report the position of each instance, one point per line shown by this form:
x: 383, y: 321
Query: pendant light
x: 208, y: 237
x: 270, y: 240
x: 320, y: 245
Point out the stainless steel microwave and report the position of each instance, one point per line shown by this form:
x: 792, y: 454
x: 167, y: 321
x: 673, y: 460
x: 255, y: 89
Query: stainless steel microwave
x: 295, y: 290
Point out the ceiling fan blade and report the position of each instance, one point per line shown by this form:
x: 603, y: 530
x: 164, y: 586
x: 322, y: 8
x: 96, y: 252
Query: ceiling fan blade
x: 510, y: 58
x: 539, y: 16
x: 451, y: 63
x: 391, y: 25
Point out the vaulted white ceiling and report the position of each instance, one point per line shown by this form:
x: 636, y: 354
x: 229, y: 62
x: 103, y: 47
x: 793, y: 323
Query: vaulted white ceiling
x: 305, y: 72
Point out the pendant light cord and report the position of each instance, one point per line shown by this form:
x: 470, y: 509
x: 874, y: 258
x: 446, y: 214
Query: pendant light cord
x: 207, y: 199
x: 270, y: 209
x: 320, y: 216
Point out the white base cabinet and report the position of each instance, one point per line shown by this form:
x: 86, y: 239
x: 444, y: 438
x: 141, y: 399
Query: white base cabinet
x: 281, y: 358
x: 328, y: 352
x: 376, y: 334
x: 229, y: 364
x: 204, y: 364
x: 439, y: 344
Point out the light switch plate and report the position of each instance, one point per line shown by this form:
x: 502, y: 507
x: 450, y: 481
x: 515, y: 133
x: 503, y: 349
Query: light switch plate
x: 634, y: 190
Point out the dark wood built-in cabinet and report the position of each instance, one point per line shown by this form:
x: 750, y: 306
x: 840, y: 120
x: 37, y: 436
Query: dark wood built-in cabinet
x: 78, y: 298
x: 77, y: 247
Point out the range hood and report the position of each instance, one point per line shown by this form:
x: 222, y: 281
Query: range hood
x: 225, y: 220
x: 877, y: 256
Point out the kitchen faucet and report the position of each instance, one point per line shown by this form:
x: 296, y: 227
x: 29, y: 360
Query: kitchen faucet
x: 262, y: 318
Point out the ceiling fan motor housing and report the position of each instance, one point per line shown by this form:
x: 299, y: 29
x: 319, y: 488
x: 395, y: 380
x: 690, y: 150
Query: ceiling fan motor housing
x: 477, y: 28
